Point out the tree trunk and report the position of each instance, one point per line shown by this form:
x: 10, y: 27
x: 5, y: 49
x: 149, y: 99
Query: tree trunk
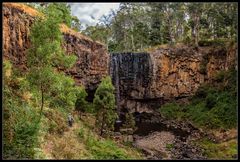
x: 197, y: 31
x: 133, y: 46
x: 195, y: 28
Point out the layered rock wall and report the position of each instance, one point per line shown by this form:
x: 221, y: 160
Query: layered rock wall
x: 147, y: 80
x: 92, y: 62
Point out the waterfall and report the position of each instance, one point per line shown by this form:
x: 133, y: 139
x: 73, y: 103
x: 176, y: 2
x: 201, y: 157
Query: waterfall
x: 131, y: 75
x: 117, y: 83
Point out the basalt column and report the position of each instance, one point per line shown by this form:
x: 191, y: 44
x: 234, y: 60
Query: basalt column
x: 131, y: 75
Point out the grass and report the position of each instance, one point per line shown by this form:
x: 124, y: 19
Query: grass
x: 82, y: 142
x: 214, y: 106
x: 24, y: 8
x: 101, y: 148
x: 169, y: 146
x: 225, y: 150
x: 21, y: 120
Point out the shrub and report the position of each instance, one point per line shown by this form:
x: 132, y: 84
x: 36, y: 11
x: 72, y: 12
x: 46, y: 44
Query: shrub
x: 104, y: 104
x: 169, y: 146
x: 172, y: 111
x: 81, y: 133
x: 219, y: 77
x: 21, y: 127
x: 81, y: 103
x: 217, y: 42
x: 21, y: 122
x: 57, y: 121
x: 225, y: 150
x: 211, y: 100
x: 129, y: 122
x: 212, y: 106
x: 105, y: 149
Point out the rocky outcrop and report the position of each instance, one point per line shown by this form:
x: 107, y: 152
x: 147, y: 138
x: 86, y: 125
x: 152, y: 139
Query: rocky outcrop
x: 92, y: 62
x: 146, y: 80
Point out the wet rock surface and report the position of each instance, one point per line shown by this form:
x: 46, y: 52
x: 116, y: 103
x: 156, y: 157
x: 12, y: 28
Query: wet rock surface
x: 148, y: 80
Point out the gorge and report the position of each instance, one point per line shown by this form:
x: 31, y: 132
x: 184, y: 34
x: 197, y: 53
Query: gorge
x: 143, y: 81
x: 159, y: 75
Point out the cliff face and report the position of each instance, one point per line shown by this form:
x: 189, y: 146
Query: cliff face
x: 143, y: 81
x: 146, y: 80
x: 92, y: 62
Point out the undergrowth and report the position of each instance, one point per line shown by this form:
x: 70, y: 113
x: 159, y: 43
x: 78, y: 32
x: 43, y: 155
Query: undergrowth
x: 101, y: 148
x: 214, y: 106
x: 226, y: 150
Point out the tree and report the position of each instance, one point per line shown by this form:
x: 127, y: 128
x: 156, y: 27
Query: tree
x: 46, y: 55
x: 104, y: 104
x: 195, y: 12
x: 130, y: 121
x: 81, y: 104
x: 61, y: 11
x: 136, y: 26
x: 97, y: 33
x: 75, y: 24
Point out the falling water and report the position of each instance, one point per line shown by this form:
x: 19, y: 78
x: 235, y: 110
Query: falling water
x: 117, y: 84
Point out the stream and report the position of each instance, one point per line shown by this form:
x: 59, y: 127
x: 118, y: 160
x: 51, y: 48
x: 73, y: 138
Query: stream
x: 159, y: 138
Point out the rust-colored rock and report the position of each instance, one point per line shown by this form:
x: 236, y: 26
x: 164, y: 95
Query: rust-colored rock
x: 92, y: 62
x: 149, y: 79
x: 145, y: 80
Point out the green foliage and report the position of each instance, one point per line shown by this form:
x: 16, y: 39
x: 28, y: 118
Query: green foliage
x: 136, y: 26
x: 211, y: 107
x: 129, y: 122
x: 45, y: 55
x: 172, y: 111
x: 61, y: 12
x: 211, y: 100
x: 216, y: 42
x: 81, y: 103
x: 225, y: 150
x: 169, y: 146
x: 104, y: 104
x: 76, y: 24
x: 42, y: 84
x: 105, y: 149
x: 20, y: 124
x: 97, y: 33
x: 220, y: 76
x: 57, y: 122
x: 63, y: 93
x: 20, y: 130
x: 81, y: 133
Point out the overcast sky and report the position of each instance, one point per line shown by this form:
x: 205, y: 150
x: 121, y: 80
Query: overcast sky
x: 89, y: 13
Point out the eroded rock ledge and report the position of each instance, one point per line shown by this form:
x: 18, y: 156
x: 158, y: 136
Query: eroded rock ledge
x: 92, y: 62
x: 147, y: 80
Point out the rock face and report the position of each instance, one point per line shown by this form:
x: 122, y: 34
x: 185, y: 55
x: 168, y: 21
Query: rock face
x: 92, y: 62
x: 134, y: 72
x: 143, y: 81
x: 146, y: 80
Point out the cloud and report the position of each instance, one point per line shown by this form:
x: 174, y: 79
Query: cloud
x: 90, y: 13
